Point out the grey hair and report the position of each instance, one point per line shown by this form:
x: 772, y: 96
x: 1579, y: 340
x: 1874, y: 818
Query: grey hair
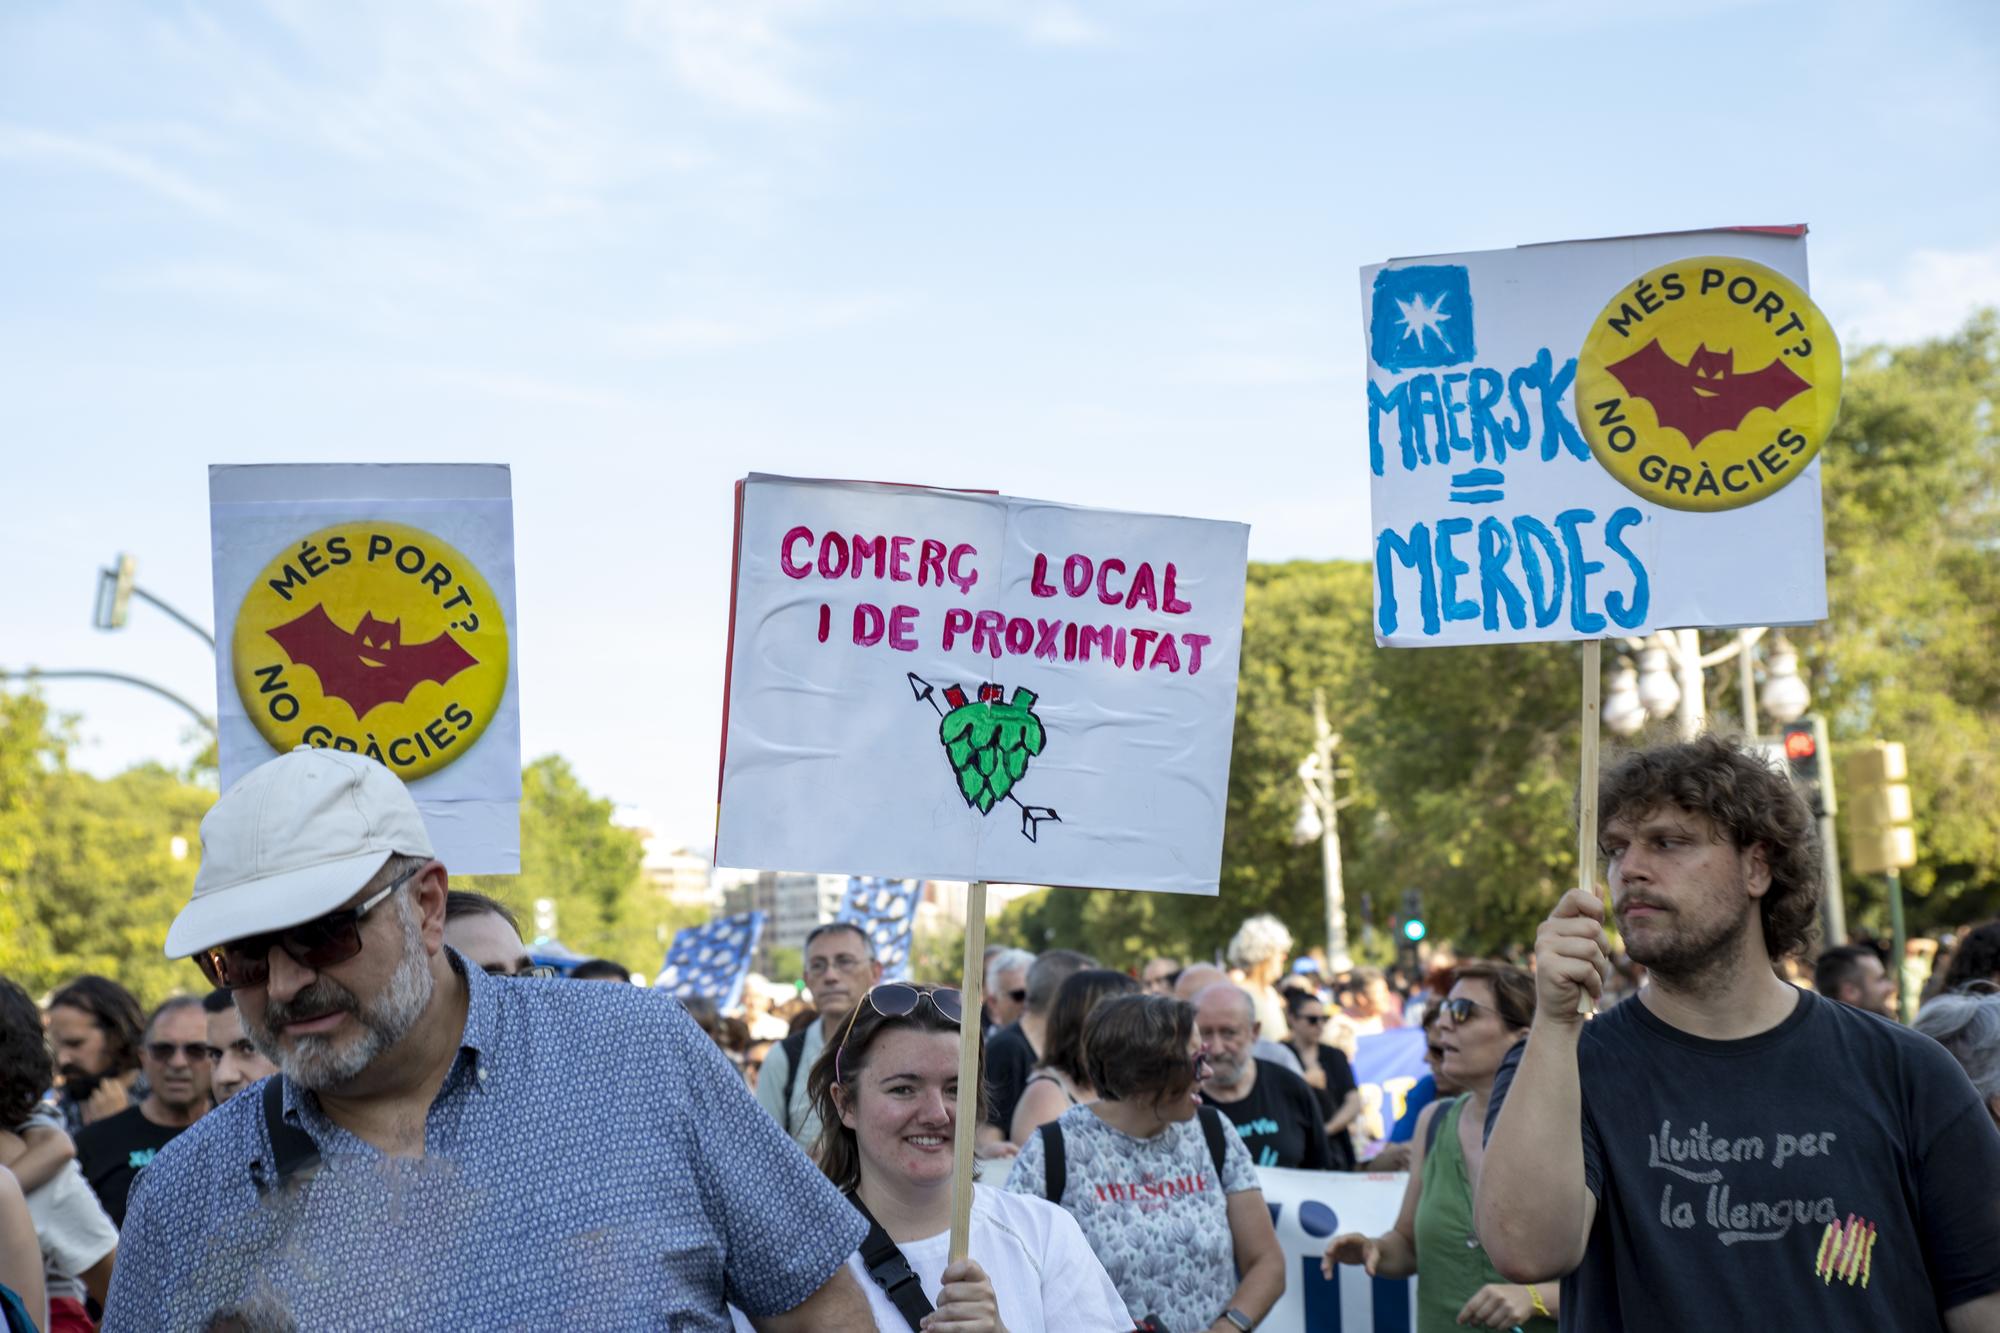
x: 1259, y: 939
x: 1007, y: 960
x: 1969, y: 1027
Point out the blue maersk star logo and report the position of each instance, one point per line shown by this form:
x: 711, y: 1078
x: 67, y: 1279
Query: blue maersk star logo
x: 1420, y: 317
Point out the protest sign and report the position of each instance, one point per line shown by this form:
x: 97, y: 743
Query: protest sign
x: 929, y: 684
x: 885, y: 910
x: 712, y: 959
x: 370, y: 608
x: 1597, y: 438
x: 932, y: 684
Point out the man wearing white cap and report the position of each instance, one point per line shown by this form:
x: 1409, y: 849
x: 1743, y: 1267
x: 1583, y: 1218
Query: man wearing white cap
x: 444, y: 1149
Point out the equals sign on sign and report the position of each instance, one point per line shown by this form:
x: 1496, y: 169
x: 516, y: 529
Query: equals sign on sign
x: 1481, y: 486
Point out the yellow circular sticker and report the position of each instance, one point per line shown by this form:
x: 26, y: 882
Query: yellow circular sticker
x: 1708, y: 383
x: 373, y: 638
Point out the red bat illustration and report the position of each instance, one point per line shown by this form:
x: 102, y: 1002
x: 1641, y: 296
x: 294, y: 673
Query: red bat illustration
x: 1706, y: 395
x: 370, y: 666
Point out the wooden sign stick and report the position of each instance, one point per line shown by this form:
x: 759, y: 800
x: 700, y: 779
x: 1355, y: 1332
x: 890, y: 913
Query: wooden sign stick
x: 965, y: 1129
x: 1586, y: 792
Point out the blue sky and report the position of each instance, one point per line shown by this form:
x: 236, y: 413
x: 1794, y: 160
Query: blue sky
x: 1101, y: 253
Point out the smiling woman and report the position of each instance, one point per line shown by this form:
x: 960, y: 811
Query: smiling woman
x: 886, y: 1091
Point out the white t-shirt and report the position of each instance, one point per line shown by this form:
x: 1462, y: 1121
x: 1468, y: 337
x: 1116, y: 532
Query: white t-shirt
x: 1045, y: 1279
x: 73, y: 1228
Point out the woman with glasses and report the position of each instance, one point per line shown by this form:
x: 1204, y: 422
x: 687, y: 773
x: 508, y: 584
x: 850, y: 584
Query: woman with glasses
x: 1060, y: 1080
x: 1162, y: 1187
x: 886, y: 1092
x: 1486, y: 1014
x: 1327, y: 1073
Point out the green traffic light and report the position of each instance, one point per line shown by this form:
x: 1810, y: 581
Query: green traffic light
x: 1413, y: 930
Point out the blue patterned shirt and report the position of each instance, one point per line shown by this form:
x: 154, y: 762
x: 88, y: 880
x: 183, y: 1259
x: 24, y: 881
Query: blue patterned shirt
x: 591, y: 1161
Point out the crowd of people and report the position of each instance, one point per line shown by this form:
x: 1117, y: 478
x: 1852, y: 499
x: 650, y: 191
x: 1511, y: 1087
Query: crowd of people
x: 385, y: 1114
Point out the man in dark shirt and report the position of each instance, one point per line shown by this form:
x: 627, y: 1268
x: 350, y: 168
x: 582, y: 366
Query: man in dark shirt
x: 1726, y: 1149
x: 1013, y: 1051
x: 174, y: 1054
x: 1272, y: 1108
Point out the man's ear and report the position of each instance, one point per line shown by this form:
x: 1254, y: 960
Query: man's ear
x: 429, y: 887
x: 1757, y: 869
x: 875, y: 971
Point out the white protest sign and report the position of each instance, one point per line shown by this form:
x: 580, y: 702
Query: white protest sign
x: 930, y: 684
x: 1597, y: 438
x: 370, y: 608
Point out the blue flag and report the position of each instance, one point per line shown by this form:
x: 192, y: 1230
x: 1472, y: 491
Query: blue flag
x: 712, y: 959
x: 886, y: 911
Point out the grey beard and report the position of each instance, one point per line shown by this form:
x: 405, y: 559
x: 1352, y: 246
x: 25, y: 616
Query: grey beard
x: 317, y: 1062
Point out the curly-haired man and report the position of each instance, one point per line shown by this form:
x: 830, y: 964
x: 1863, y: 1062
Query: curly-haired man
x: 1726, y: 1146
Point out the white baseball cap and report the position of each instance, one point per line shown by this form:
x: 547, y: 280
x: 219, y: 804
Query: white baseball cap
x: 294, y: 839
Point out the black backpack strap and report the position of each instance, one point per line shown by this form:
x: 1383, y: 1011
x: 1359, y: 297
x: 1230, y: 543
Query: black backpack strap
x: 891, y: 1271
x: 794, y: 1046
x: 1211, y: 1129
x: 293, y: 1151
x: 1437, y: 1118
x: 1055, y: 1163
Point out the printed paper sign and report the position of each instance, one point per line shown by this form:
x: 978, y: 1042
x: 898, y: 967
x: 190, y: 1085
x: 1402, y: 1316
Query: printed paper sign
x: 370, y: 608
x: 1598, y: 438
x: 929, y: 684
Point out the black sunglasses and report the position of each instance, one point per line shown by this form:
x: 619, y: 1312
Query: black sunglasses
x: 1018, y: 996
x: 320, y: 943
x: 1461, y: 1010
x: 893, y: 999
x: 163, y: 1051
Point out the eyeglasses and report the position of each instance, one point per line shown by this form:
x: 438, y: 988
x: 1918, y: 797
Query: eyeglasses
x: 1460, y: 1010
x: 1018, y: 996
x: 163, y: 1051
x: 318, y: 944
x: 540, y: 971
x: 893, y: 999
x: 1310, y: 1020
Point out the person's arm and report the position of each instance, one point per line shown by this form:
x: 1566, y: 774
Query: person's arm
x: 97, y: 1278
x: 838, y: 1305
x: 21, y: 1251
x: 1394, y: 1252
x: 1344, y: 1114
x: 1980, y: 1316
x: 1258, y: 1259
x: 1319, y: 1152
x: 45, y: 1150
x: 1041, y: 1103
x: 771, y: 1081
x: 1534, y: 1209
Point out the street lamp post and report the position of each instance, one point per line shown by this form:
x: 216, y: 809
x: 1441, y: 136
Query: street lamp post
x: 1319, y: 819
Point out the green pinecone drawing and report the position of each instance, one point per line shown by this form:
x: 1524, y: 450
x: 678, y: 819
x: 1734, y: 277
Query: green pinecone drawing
x: 989, y: 742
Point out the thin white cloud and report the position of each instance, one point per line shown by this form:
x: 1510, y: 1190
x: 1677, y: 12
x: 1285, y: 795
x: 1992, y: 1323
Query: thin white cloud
x: 1931, y: 295
x: 1063, y: 25
x: 737, y: 53
x: 747, y: 327
x: 23, y: 143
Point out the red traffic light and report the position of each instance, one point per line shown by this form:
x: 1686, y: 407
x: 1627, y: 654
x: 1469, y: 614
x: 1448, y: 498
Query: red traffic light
x: 1800, y: 745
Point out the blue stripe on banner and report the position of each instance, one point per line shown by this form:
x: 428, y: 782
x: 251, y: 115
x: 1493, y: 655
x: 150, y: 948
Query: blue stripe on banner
x: 1475, y: 498
x: 1392, y: 1304
x: 1322, y: 1297
x: 1480, y: 476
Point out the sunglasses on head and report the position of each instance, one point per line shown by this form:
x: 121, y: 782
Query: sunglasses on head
x: 320, y: 943
x: 893, y: 999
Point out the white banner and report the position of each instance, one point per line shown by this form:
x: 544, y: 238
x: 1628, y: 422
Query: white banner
x: 1597, y: 438
x: 370, y: 608
x: 929, y: 684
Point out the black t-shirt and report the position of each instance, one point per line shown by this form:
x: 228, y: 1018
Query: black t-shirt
x: 1279, y: 1122
x: 1010, y: 1058
x: 1838, y: 1169
x: 1339, y: 1082
x: 114, y: 1150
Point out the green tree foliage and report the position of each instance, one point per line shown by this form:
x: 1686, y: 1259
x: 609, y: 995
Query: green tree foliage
x: 573, y: 855
x: 1464, y: 760
x: 88, y: 876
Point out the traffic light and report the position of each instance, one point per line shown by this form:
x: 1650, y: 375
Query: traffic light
x: 1807, y: 757
x: 1879, y: 836
x: 1414, y: 928
x: 114, y: 593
